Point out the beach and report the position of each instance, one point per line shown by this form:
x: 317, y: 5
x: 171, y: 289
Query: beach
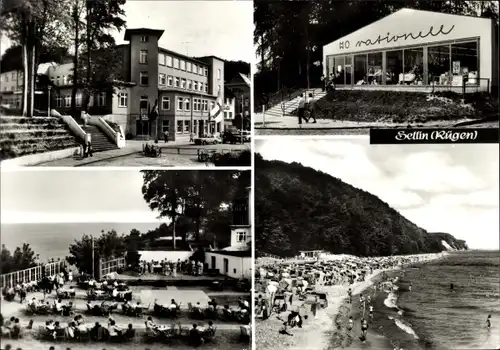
x: 321, y: 332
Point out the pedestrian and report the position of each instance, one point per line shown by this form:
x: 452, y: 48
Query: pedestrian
x: 302, y: 107
x: 323, y: 82
x: 165, y: 136
x: 312, y: 107
x: 314, y: 306
x: 488, y: 322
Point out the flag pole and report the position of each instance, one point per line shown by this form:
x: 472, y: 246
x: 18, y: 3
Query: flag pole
x: 92, y: 237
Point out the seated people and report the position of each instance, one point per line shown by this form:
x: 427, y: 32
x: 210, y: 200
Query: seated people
x: 114, y: 294
x: 10, y: 323
x: 151, y: 328
x: 72, y: 292
x: 126, y: 307
x: 16, y: 329
x: 50, y: 328
x: 113, y: 329
x: 96, y: 332
x: 70, y: 330
x: 173, y: 307
x: 58, y: 306
x: 130, y: 332
x: 213, y: 303
x: 209, y: 331
x: 195, y: 338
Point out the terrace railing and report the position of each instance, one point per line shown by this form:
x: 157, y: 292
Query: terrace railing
x: 32, y: 274
x: 109, y: 266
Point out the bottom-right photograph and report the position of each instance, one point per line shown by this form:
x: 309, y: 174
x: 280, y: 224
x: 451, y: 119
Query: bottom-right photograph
x: 363, y: 246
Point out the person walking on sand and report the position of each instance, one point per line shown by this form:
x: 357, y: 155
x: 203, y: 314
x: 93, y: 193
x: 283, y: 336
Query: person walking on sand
x: 371, y: 311
x: 488, y: 322
x: 302, y: 107
x: 350, y: 324
x: 314, y: 306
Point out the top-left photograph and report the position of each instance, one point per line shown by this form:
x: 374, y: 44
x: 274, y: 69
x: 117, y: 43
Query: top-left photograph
x: 125, y: 83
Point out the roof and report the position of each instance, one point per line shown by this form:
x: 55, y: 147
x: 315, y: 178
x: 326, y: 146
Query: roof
x: 155, y: 32
x: 239, y: 79
x: 194, y: 59
x: 240, y: 253
x: 211, y: 56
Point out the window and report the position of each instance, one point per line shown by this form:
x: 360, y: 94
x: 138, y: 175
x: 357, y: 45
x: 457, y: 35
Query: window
x: 183, y: 65
x: 169, y: 61
x: 165, y: 126
x: 176, y: 63
x: 206, y: 87
x: 241, y: 236
x: 165, y: 103
x: 162, y: 79
x: 188, y: 66
x: 101, y: 99
x: 205, y: 105
x: 195, y: 85
x: 200, y: 70
x: 179, y: 126
x: 143, y: 58
x: 360, y: 70
x: 195, y: 101
x: 161, y: 59
x: 78, y: 100
x: 7, y: 78
x: 122, y: 99
x: 225, y: 115
x: 187, y: 126
x: 206, y: 72
x: 413, y: 66
x: 59, y: 101
x: 180, y: 101
x: 170, y: 80
x: 201, y: 86
x: 200, y: 104
x: 144, y: 77
x: 183, y: 83
x: 439, y: 65
x: 230, y: 115
x: 464, y: 63
x: 91, y: 100
x: 375, y: 68
x: 67, y: 101
x: 57, y: 80
x: 13, y: 75
x: 189, y: 84
x: 144, y: 39
x: 177, y: 82
x: 218, y: 74
x: 187, y: 104
x: 65, y: 80
x: 394, y: 66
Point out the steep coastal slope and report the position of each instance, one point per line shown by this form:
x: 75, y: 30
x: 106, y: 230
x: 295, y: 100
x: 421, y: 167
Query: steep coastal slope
x: 299, y: 208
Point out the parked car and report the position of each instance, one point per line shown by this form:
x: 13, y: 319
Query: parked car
x: 208, y: 140
x: 231, y: 137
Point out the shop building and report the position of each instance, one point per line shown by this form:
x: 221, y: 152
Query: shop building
x: 414, y: 50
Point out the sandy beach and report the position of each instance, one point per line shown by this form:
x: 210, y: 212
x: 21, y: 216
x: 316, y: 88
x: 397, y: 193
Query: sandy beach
x: 321, y: 332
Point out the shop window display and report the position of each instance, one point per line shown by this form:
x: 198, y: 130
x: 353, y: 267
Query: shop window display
x: 360, y: 73
x: 413, y: 67
x: 394, y: 66
x: 464, y: 63
x: 348, y: 70
x: 375, y: 70
x: 339, y: 63
x: 439, y: 65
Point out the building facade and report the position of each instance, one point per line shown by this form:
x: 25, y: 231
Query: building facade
x: 186, y: 89
x: 238, y: 102
x: 417, y: 50
x: 11, y: 84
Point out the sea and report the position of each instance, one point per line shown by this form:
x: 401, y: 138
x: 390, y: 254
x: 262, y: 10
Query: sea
x: 432, y: 315
x: 52, y: 240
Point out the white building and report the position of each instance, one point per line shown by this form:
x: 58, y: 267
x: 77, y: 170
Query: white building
x: 416, y: 50
x: 235, y: 261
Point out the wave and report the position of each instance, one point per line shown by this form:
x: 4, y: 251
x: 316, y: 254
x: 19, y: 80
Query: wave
x: 406, y: 327
x: 391, y: 301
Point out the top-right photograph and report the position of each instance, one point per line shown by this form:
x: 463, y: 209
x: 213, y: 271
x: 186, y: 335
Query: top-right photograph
x: 345, y: 67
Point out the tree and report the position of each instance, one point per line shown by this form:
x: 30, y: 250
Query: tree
x: 192, y: 194
x: 108, y: 246
x: 23, y: 258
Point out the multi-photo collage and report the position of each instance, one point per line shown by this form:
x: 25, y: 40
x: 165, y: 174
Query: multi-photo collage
x: 289, y: 175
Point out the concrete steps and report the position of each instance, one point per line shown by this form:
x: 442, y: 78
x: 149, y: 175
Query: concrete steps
x: 100, y: 142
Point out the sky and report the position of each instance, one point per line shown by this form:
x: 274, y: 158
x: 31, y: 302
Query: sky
x: 73, y: 196
x: 441, y: 188
x: 221, y: 28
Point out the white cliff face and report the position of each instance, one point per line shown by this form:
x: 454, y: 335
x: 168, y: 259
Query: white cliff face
x: 446, y: 245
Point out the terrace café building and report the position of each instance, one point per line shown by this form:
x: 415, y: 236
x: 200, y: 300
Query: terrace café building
x: 414, y: 50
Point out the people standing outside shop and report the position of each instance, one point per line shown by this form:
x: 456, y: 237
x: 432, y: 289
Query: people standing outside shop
x: 302, y: 107
x: 312, y: 107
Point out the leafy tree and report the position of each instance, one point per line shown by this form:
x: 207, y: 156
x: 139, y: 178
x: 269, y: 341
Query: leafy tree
x: 108, y: 246
x: 23, y: 258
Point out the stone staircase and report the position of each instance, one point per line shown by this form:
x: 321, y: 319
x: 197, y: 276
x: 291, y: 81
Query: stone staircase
x: 100, y: 142
x: 21, y: 136
x: 288, y: 107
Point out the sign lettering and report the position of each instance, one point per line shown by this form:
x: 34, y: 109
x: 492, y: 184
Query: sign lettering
x: 344, y: 44
x: 394, y: 38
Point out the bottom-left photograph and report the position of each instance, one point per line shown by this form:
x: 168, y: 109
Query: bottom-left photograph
x: 126, y: 259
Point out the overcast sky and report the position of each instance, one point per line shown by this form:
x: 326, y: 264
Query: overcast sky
x: 217, y: 27
x: 72, y: 196
x: 441, y: 188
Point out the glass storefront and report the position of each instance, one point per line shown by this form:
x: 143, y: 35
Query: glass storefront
x: 446, y: 64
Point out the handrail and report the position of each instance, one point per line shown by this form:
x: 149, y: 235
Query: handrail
x: 71, y: 123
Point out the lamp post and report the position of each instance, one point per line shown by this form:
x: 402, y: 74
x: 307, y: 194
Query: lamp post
x: 48, y: 101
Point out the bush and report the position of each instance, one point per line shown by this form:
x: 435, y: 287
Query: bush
x: 233, y: 159
x: 129, y: 136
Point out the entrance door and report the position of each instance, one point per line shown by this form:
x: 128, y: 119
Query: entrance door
x: 143, y: 127
x: 213, y: 262
x: 348, y: 75
x: 226, y: 266
x: 201, y: 127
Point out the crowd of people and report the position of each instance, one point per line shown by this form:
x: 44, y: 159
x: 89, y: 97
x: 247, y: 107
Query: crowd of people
x: 172, y: 268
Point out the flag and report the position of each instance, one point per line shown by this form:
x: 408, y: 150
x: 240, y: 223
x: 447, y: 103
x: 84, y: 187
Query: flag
x: 153, y: 113
x: 216, y: 112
